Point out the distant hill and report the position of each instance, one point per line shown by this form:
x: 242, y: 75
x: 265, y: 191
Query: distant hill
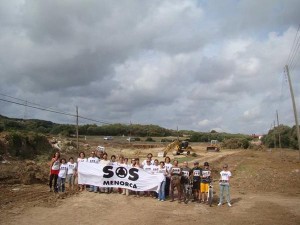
x: 137, y: 130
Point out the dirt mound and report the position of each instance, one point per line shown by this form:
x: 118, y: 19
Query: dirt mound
x: 23, y: 172
x: 24, y: 146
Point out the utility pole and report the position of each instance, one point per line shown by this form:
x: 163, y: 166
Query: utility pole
x: 274, y: 135
x: 294, y: 107
x: 25, y: 111
x: 77, y: 139
x: 279, y: 138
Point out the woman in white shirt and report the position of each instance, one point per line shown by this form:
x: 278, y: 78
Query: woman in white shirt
x: 168, y: 166
x: 161, y: 194
x: 80, y: 159
x: 71, y: 173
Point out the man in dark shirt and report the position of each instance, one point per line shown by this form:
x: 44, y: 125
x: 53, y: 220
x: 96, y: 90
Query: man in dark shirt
x: 175, y: 181
x: 196, y: 176
x: 205, y: 180
x: 185, y: 181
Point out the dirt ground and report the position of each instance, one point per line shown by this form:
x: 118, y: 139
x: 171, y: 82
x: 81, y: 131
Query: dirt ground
x: 265, y: 189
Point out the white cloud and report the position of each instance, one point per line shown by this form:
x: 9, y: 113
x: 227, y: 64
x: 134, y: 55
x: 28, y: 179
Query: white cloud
x: 172, y: 63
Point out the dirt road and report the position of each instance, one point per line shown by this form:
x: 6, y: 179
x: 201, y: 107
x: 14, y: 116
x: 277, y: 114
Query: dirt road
x: 253, y: 202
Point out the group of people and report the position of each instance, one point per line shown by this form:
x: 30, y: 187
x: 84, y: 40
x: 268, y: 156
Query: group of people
x: 179, y: 178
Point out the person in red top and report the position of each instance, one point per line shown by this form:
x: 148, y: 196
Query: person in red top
x: 54, y: 170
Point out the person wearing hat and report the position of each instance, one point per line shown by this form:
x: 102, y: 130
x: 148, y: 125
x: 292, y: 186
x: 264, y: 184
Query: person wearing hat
x: 205, y: 180
x: 196, y: 176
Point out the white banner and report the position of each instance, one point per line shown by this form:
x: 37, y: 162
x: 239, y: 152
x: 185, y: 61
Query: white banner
x: 118, y: 176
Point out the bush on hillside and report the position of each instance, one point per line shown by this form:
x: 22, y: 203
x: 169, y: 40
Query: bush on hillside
x: 27, y: 146
x: 236, y: 143
x: 150, y: 139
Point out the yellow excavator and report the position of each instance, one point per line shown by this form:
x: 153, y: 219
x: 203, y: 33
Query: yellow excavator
x: 214, y: 146
x: 181, y: 147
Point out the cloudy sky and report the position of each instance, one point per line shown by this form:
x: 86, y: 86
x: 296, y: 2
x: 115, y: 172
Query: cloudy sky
x: 195, y: 64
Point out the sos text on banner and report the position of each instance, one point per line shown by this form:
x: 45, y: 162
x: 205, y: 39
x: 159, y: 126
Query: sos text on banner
x: 118, y: 176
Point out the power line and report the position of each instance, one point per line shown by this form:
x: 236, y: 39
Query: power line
x: 289, y: 58
x: 54, y: 111
x: 294, y: 51
x: 293, y: 63
x: 32, y: 103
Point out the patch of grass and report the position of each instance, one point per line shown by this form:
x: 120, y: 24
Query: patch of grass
x: 182, y: 159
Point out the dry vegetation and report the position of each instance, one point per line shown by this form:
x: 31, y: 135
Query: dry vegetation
x: 265, y: 189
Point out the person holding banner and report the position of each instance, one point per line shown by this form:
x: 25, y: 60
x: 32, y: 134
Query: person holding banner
x: 93, y: 159
x: 136, y: 164
x: 149, y: 157
x: 113, y: 160
x: 176, y: 173
x: 148, y: 169
x: 154, y: 170
x: 79, y: 160
x: 122, y: 163
x: 155, y: 167
x: 104, y: 162
x: 161, y: 194
x: 132, y: 162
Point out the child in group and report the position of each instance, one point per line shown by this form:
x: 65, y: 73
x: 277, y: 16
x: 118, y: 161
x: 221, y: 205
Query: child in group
x: 224, y: 185
x: 63, y: 169
x: 205, y: 180
x: 71, y: 173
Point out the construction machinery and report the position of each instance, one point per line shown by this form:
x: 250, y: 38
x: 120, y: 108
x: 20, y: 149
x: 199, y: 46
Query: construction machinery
x: 181, y: 147
x: 214, y: 146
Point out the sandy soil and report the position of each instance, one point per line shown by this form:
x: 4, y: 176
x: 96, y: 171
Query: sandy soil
x: 265, y: 189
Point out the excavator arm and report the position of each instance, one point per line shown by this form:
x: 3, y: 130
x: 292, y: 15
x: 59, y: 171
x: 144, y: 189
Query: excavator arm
x: 174, y: 145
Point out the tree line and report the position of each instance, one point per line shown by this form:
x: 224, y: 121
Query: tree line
x: 287, y: 134
x: 283, y: 136
x: 134, y: 130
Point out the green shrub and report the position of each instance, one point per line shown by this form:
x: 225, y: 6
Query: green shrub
x: 150, y: 139
x: 235, y: 143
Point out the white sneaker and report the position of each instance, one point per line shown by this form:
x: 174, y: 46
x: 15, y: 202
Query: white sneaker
x: 229, y: 204
x: 220, y: 204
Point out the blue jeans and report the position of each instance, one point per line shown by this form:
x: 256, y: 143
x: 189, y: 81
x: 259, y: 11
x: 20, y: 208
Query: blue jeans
x: 93, y: 188
x: 61, y: 184
x: 224, y: 187
x: 161, y: 193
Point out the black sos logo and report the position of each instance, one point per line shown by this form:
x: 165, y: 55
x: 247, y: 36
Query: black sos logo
x: 121, y: 172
